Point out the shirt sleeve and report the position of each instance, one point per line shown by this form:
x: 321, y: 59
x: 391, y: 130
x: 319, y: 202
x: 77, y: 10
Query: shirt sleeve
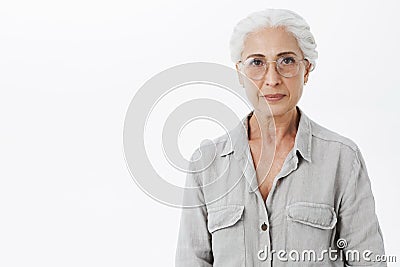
x: 358, y: 223
x: 194, y: 240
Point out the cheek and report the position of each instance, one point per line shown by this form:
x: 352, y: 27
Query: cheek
x: 295, y: 88
x: 252, y: 91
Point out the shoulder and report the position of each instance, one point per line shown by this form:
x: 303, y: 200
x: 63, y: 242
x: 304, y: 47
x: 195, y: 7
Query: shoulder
x: 234, y: 139
x: 325, y: 135
x: 210, y: 149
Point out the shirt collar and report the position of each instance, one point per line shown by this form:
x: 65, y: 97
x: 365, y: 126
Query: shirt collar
x: 237, y: 142
x: 304, y: 136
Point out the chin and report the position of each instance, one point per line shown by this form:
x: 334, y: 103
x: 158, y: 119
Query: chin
x: 273, y: 110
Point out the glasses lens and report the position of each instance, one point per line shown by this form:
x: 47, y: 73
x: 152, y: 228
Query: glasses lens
x: 288, y: 66
x: 254, y: 68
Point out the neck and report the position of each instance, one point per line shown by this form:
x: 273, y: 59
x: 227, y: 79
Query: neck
x: 263, y: 127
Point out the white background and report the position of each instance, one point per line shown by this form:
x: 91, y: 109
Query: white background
x: 69, y: 69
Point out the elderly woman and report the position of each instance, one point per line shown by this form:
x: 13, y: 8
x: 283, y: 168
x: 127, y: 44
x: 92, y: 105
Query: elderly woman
x: 296, y: 193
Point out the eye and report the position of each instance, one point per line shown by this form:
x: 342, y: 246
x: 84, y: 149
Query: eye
x: 256, y: 62
x: 288, y: 60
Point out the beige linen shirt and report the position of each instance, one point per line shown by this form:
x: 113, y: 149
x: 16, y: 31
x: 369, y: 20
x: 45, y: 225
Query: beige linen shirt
x: 323, y: 202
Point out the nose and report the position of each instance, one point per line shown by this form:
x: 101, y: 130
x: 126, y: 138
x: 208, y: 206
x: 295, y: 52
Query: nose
x: 272, y: 77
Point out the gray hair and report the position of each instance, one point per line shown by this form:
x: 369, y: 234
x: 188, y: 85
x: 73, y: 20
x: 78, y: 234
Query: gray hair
x: 291, y: 21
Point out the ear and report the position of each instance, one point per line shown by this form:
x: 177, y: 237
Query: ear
x: 240, y: 75
x: 307, y: 72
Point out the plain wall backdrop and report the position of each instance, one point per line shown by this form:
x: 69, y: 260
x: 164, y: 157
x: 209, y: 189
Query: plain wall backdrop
x: 69, y: 69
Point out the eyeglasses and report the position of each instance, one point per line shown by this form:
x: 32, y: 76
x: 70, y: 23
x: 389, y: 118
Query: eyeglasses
x: 256, y: 67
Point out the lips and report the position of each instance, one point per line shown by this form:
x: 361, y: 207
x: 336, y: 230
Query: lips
x: 273, y: 97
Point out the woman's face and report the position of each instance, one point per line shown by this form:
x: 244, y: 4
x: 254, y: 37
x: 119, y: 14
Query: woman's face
x: 279, y: 93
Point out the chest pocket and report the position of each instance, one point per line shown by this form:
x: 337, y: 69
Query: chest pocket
x: 225, y: 223
x: 310, y: 226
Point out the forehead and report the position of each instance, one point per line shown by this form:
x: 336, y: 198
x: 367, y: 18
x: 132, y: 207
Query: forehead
x: 270, y: 42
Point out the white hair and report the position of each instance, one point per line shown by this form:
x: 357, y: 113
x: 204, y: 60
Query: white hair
x: 291, y: 21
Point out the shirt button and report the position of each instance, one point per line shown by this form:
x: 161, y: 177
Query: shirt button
x: 264, y: 227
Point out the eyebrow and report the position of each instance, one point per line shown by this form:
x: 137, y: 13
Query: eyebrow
x: 278, y: 55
